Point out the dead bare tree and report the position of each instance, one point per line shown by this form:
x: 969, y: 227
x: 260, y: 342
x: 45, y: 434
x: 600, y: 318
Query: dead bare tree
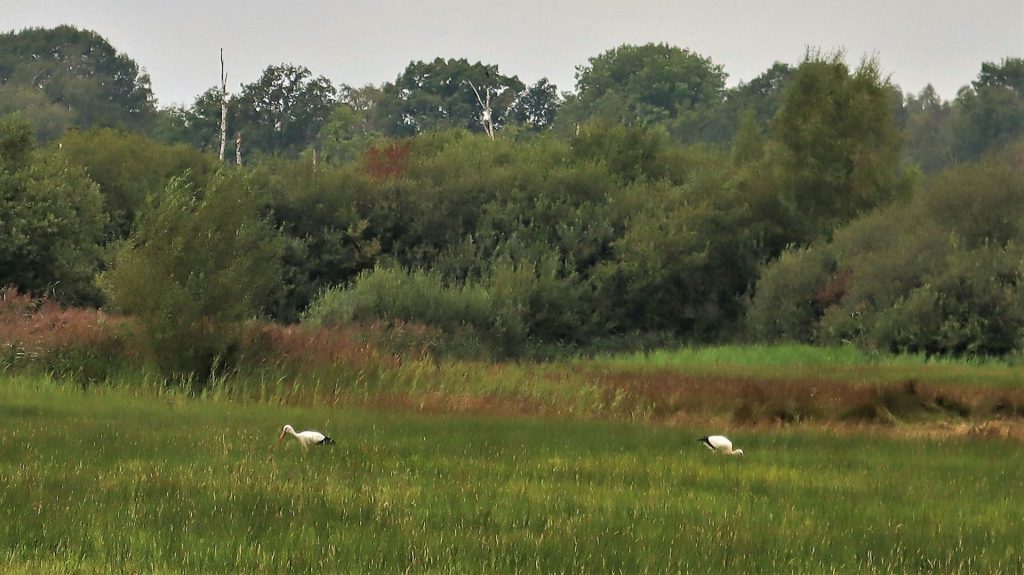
x: 485, y: 109
x: 238, y: 149
x: 223, y: 107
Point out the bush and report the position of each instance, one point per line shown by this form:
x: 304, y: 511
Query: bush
x: 51, y: 220
x: 396, y: 296
x: 883, y: 259
x: 940, y: 274
x: 197, y: 265
x: 792, y: 295
x: 542, y: 302
x: 973, y: 307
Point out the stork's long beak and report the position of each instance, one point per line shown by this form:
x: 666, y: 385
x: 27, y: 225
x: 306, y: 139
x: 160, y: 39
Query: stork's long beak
x: 280, y: 437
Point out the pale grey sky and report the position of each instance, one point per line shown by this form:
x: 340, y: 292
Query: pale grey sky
x: 357, y: 42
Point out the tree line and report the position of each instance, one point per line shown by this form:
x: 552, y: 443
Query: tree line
x: 64, y: 78
x: 815, y: 202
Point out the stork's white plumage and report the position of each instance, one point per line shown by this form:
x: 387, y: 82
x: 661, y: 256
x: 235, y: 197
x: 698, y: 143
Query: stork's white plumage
x: 720, y: 444
x: 306, y: 438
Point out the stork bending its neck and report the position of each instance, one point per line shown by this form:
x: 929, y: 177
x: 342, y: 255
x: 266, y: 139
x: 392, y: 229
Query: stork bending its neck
x: 306, y: 438
x: 720, y: 444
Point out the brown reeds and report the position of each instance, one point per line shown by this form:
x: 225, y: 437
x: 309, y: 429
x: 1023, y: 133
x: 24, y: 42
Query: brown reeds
x: 33, y: 328
x: 358, y: 365
x: 667, y: 395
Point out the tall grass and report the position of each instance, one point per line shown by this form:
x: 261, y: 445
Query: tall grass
x: 792, y: 355
x: 345, y: 365
x: 107, y: 481
x: 849, y: 363
x: 83, y: 345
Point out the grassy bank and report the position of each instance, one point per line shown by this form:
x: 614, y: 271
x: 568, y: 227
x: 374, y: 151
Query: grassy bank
x: 113, y: 481
x: 846, y: 363
x: 396, y: 366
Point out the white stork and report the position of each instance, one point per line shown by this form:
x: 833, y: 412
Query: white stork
x: 720, y: 444
x: 306, y: 438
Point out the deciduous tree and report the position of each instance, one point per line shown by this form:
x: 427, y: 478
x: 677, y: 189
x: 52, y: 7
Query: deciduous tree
x: 930, y: 125
x: 80, y: 71
x: 838, y: 149
x: 992, y: 109
x: 440, y: 94
x: 131, y: 169
x: 198, y: 263
x: 51, y: 220
x: 537, y: 106
x: 647, y: 85
x: 283, y: 110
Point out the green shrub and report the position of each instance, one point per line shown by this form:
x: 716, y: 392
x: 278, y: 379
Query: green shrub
x: 972, y: 307
x: 882, y: 260
x: 791, y: 295
x: 199, y: 263
x: 542, y: 302
x: 939, y: 274
x: 395, y: 295
x: 51, y: 220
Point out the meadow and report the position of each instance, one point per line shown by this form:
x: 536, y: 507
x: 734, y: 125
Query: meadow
x: 129, y: 480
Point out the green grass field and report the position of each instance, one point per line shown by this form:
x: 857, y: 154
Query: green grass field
x: 115, y: 481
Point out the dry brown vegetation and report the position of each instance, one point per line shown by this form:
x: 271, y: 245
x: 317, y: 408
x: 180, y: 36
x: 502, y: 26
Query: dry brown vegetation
x: 670, y: 395
x: 34, y: 327
x: 349, y: 366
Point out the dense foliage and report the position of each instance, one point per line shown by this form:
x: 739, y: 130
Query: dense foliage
x: 939, y: 274
x: 198, y: 262
x: 648, y: 85
x: 65, y: 77
x: 815, y: 202
x: 51, y: 220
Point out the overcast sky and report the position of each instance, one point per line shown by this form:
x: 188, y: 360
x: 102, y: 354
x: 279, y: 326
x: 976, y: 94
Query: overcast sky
x: 356, y: 42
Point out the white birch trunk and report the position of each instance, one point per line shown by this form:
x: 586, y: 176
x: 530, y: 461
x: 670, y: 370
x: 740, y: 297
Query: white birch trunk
x: 485, y: 110
x: 223, y: 107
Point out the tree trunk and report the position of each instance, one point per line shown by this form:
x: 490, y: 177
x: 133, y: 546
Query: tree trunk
x: 485, y: 110
x: 223, y: 107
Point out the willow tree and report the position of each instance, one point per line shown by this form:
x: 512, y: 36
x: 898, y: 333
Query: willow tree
x: 199, y: 263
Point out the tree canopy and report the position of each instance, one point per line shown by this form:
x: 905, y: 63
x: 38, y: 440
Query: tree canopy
x: 992, y: 108
x: 647, y: 85
x: 284, y: 109
x: 836, y: 149
x: 445, y: 94
x: 46, y: 71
